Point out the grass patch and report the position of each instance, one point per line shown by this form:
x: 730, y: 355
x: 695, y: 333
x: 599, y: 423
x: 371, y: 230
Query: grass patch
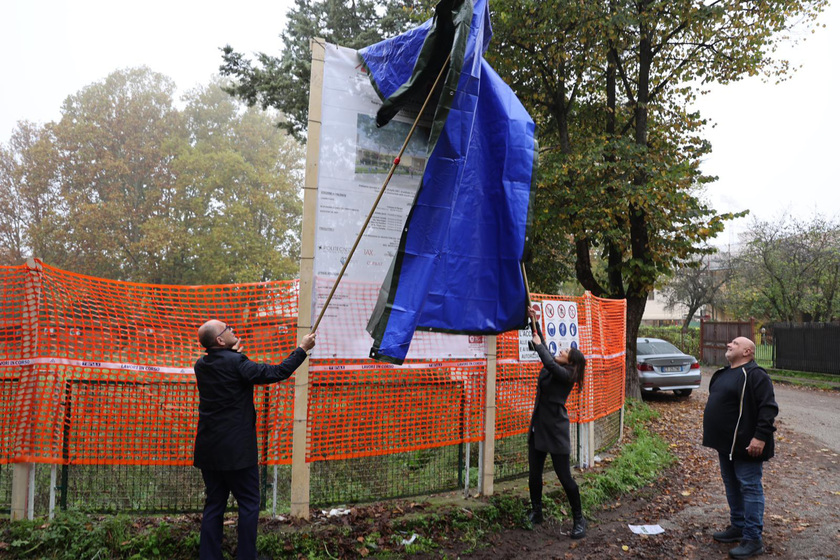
x: 639, y: 463
x: 76, y: 536
x: 823, y: 381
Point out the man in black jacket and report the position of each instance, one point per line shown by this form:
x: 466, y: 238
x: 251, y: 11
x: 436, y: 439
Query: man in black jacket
x: 738, y: 423
x: 226, y: 440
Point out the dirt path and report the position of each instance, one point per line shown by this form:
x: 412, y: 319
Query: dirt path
x: 802, y: 488
x: 812, y: 412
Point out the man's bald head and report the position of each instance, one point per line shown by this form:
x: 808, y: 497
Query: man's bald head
x: 740, y: 351
x: 208, y: 332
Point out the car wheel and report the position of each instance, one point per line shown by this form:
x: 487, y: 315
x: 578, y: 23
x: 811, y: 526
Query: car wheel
x: 682, y: 392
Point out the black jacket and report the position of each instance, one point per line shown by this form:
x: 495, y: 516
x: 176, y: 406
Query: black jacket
x: 226, y: 439
x: 550, y: 420
x: 741, y: 406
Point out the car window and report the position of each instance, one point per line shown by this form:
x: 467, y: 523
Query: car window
x: 644, y: 348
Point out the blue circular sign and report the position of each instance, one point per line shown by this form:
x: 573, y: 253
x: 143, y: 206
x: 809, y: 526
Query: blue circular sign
x: 573, y: 329
x: 574, y: 344
x: 552, y: 347
x: 562, y: 329
x: 551, y: 329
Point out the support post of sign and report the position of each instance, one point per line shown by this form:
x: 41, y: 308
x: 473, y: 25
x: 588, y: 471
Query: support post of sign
x: 300, y: 468
x: 489, y: 450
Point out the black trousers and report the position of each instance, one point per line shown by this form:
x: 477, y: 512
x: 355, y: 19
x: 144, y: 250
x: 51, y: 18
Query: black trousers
x: 562, y: 467
x: 245, y: 486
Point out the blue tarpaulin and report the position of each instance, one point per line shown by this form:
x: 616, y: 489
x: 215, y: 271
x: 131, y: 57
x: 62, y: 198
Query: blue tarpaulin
x: 457, y: 269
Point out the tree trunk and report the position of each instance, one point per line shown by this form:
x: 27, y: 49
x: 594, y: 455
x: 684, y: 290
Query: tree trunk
x: 689, y: 315
x: 635, y: 310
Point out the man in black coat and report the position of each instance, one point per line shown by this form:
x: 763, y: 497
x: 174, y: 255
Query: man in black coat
x: 226, y: 440
x: 738, y: 423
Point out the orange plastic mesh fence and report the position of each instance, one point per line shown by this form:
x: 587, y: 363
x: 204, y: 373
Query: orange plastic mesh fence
x: 94, y: 371
x: 601, y: 324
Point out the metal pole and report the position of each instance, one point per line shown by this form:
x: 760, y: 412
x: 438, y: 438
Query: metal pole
x: 53, y: 481
x: 274, y: 494
x: 467, y: 476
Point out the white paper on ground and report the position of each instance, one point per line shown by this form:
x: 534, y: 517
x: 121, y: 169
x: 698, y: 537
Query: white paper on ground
x: 646, y: 529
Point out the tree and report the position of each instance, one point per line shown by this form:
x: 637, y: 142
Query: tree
x: 607, y: 83
x: 696, y: 283
x: 31, y: 216
x: 126, y: 186
x: 788, y: 270
x: 111, y: 159
x: 283, y: 82
x: 244, y: 177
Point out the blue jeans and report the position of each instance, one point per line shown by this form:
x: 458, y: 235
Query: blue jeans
x: 742, y: 480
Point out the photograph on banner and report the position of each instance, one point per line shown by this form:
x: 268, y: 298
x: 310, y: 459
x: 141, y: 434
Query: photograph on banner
x: 560, y: 325
x: 354, y: 160
x: 525, y: 336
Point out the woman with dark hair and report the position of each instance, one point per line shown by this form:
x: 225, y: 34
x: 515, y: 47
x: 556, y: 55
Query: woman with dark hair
x: 549, y: 430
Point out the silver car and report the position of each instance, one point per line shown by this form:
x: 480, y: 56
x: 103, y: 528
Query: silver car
x: 662, y: 367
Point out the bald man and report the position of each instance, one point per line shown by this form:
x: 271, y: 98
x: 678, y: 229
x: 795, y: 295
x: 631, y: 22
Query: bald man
x: 226, y: 440
x: 738, y: 423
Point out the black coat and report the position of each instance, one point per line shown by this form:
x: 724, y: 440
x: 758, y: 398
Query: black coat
x: 549, y: 430
x: 226, y: 439
x: 741, y: 406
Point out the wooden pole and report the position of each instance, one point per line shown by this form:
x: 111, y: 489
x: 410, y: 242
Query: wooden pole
x: 489, y: 448
x: 299, y: 506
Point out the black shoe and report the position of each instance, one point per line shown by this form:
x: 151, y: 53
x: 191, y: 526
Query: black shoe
x: 730, y: 534
x: 579, y: 528
x: 535, y: 517
x: 748, y: 549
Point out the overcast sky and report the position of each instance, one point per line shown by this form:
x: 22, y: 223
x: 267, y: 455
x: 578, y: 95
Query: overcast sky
x: 774, y: 145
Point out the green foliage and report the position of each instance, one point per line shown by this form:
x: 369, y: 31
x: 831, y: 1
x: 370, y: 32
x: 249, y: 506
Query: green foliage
x: 293, y: 544
x: 787, y: 270
x: 639, y: 463
x: 75, y: 536
x: 607, y: 84
x: 128, y: 187
x: 687, y: 340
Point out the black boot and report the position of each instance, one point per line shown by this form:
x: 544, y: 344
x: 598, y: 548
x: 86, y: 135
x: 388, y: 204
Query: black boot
x: 579, y: 527
x: 747, y: 549
x: 536, y: 516
x: 730, y: 534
